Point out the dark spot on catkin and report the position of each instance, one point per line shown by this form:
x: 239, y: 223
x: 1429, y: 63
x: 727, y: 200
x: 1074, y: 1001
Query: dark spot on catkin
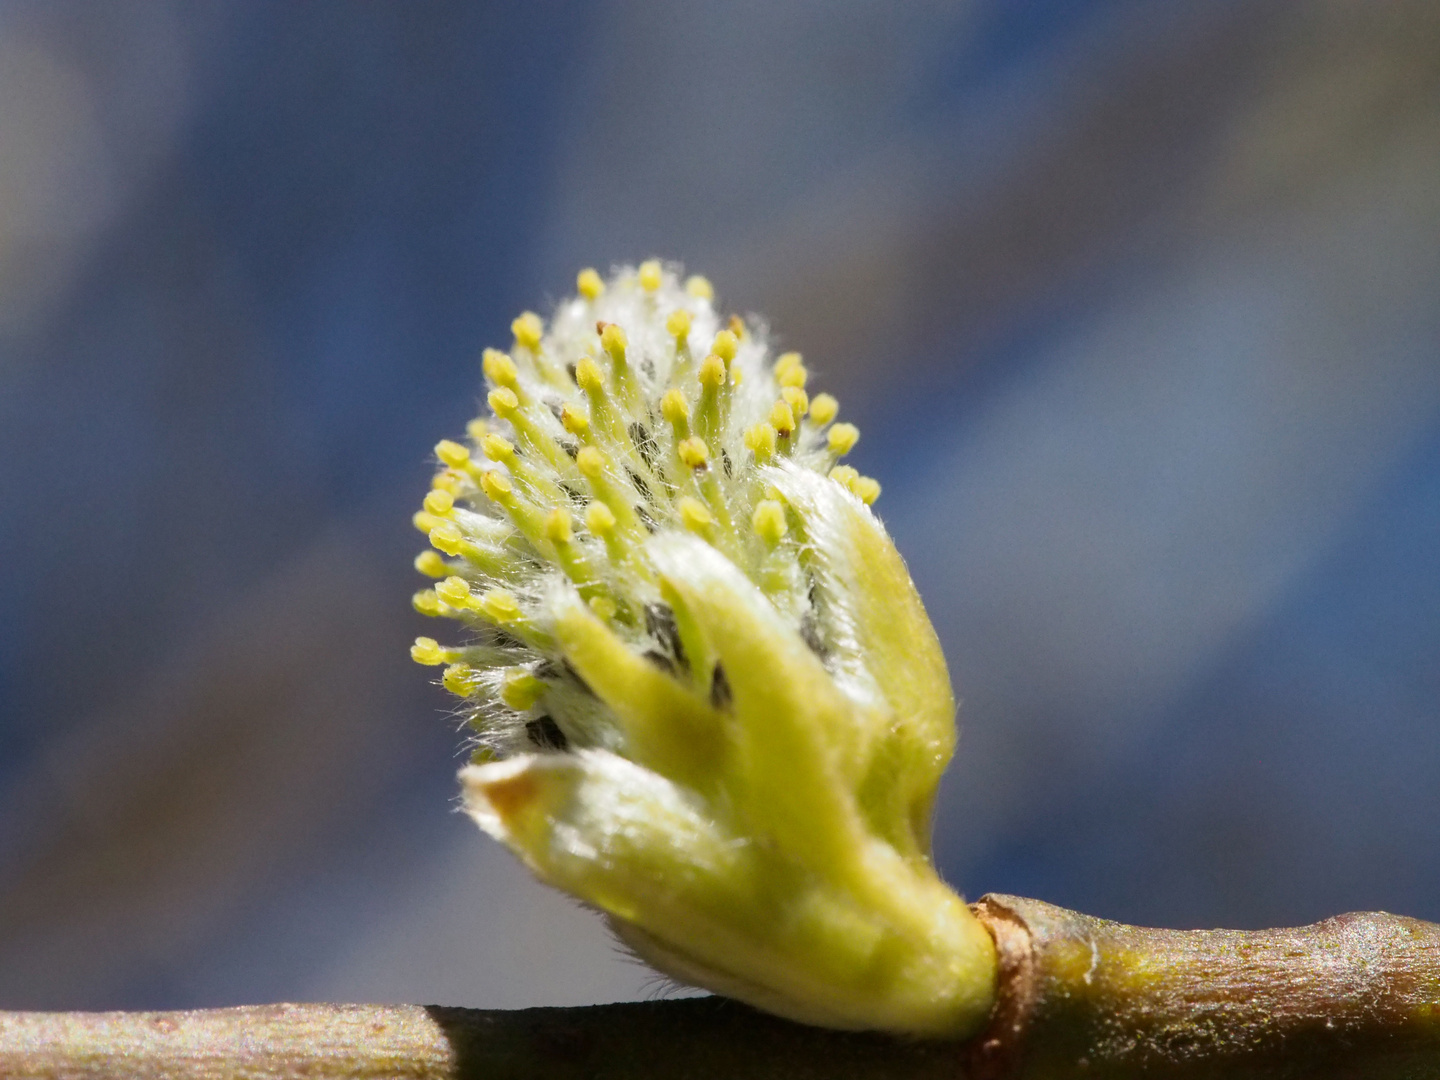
x: 720, y: 696
x: 545, y: 734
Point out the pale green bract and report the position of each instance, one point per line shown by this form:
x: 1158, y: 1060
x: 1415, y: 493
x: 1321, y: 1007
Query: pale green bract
x: 705, y: 695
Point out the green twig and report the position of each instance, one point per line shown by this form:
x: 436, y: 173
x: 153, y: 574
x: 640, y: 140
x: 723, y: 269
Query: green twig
x: 1356, y: 996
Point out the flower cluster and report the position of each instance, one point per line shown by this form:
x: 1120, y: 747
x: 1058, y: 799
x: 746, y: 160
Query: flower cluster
x: 704, y: 695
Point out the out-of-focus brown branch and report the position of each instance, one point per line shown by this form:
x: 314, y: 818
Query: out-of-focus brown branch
x: 1355, y: 996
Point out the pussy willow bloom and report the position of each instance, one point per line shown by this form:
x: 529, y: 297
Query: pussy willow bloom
x: 704, y: 695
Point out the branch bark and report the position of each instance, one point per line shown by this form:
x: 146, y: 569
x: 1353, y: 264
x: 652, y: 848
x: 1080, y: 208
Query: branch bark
x: 1355, y: 996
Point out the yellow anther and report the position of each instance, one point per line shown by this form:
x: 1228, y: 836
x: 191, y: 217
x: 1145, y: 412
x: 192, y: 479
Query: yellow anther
x: 674, y: 407
x: 712, y: 372
x: 590, y: 461
x: 760, y: 440
x: 431, y: 564
x: 700, y: 288
x: 724, y: 346
x: 694, y: 515
x: 557, y: 526
x: 650, y: 275
x: 769, y: 521
x: 693, y: 452
x: 678, y: 325
x: 503, y: 401
x: 603, y: 607
x: 797, y: 399
x: 425, y: 521
x: 782, y: 419
x: 439, y: 502
x: 497, y: 486
x: 589, y: 283
x: 427, y: 651
x: 497, y: 447
x: 427, y: 603
x: 499, y: 368
x: 520, y: 690
x: 573, y: 420
x: 477, y: 428
x: 823, y: 409
x: 613, y: 341
x: 867, y: 487
x: 455, y: 591
x: 452, y: 453
x: 785, y: 362
x: 599, y: 519
x: 447, y: 538
x: 844, y: 474
x: 528, y: 329
x: 843, y: 438
x: 588, y: 375
x: 499, y: 605
x: 795, y: 375
x: 446, y: 480
x: 461, y: 680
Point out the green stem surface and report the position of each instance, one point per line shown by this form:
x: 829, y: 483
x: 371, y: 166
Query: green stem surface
x: 1356, y: 996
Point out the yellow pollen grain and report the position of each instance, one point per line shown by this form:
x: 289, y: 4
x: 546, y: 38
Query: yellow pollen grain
x: 446, y: 480
x: 694, y: 515
x: 867, y: 487
x: 693, y: 452
x: 769, y: 521
x: 782, y: 419
x: 794, y: 376
x: 497, y: 447
x: 503, y: 401
x: 447, y: 538
x: 573, y: 420
x: 500, y: 370
x: 499, y: 605
x: 842, y: 439
x: 427, y: 651
x: 439, y: 502
x: 588, y: 375
x: 674, y: 407
x: 452, y: 453
x: 528, y: 329
x: 724, y: 345
x: 462, y: 680
x: 700, y: 288
x: 785, y: 362
x: 496, y: 485
x: 590, y: 283
x: 614, y: 341
x: 603, y: 607
x: 455, y: 591
x: 520, y: 690
x: 823, y: 409
x: 599, y: 519
x: 557, y: 526
x: 760, y: 439
x: 590, y: 461
x: 430, y: 564
x: 797, y: 399
x: 678, y: 325
x: 427, y: 603
x: 712, y: 372
x: 650, y: 275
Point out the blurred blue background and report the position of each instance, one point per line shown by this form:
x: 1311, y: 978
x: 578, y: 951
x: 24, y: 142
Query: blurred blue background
x: 1137, y: 306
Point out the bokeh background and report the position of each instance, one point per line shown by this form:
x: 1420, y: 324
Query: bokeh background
x: 1137, y: 306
